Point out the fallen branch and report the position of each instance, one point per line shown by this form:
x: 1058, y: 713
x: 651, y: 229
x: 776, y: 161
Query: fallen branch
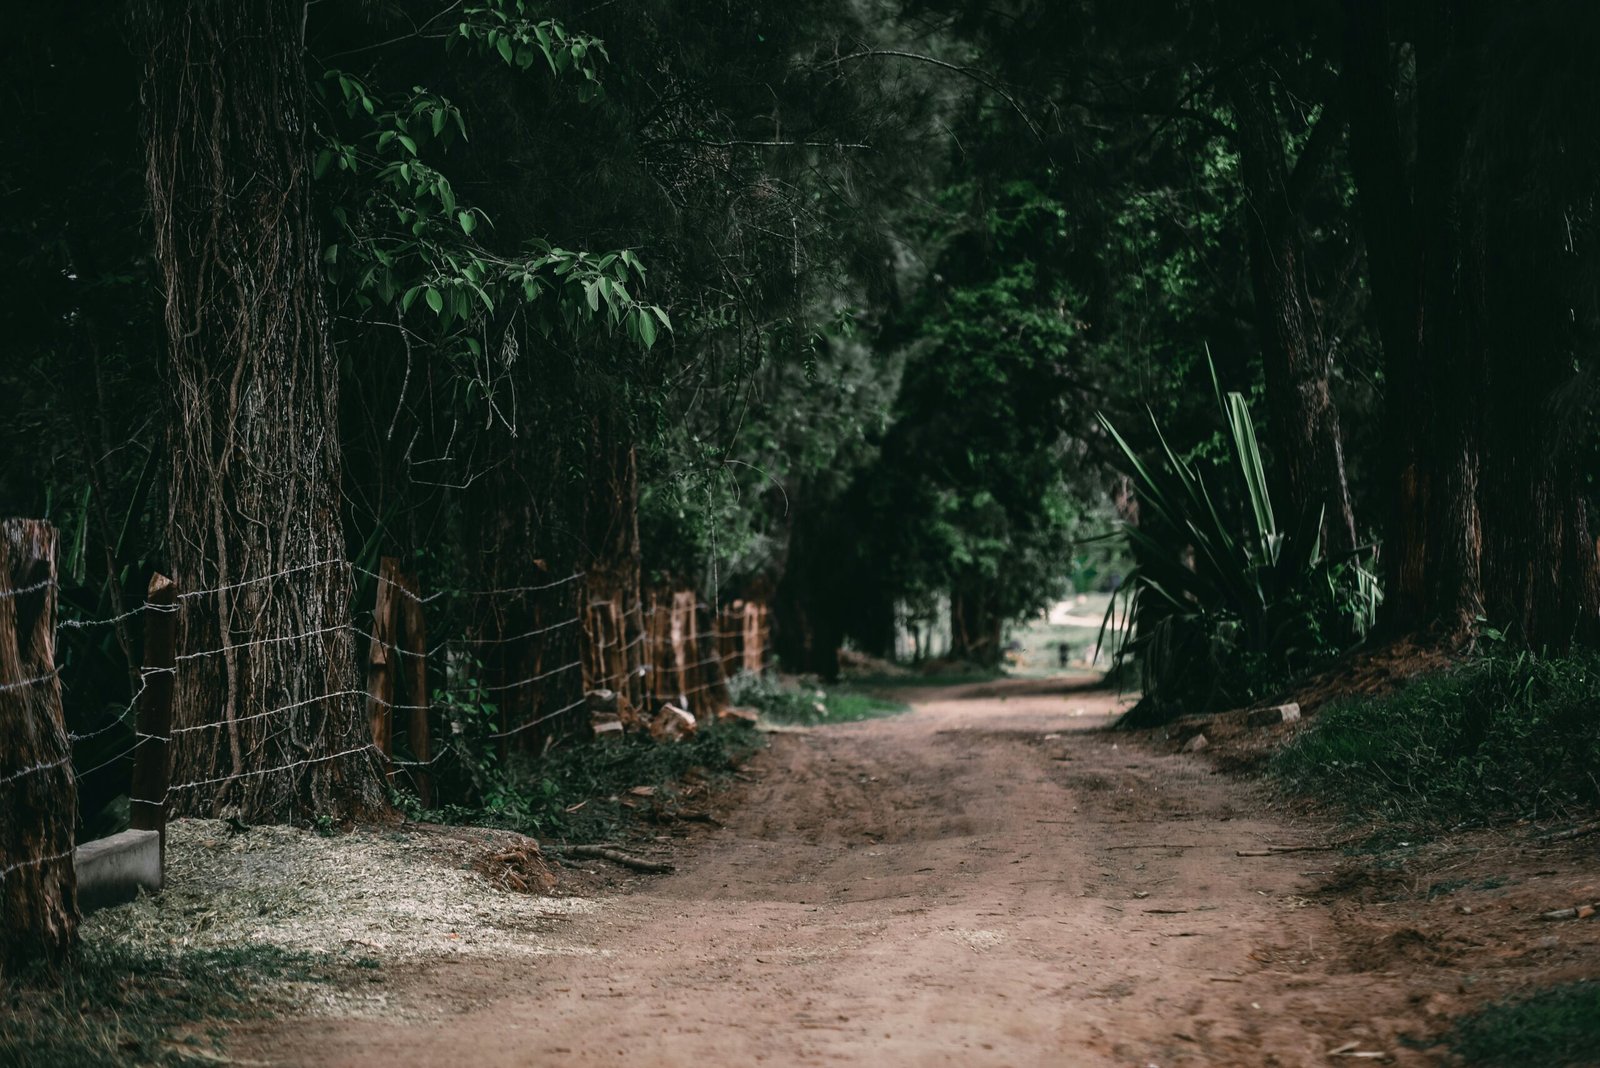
x: 1272, y: 850
x: 1571, y: 833
x: 616, y: 856
x: 1580, y: 912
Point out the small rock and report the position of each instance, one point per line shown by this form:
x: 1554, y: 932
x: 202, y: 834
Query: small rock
x: 1195, y: 744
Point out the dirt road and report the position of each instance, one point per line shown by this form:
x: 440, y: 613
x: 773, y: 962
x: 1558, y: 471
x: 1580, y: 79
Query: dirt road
x: 985, y: 880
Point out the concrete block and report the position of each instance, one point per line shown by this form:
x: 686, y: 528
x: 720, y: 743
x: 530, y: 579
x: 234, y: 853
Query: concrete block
x: 113, y: 870
x: 1268, y: 717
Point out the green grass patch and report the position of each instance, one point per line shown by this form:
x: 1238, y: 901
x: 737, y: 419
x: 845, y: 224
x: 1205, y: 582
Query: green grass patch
x: 955, y: 676
x: 114, y: 1005
x: 1500, y: 737
x: 1555, y: 1028
x: 792, y: 703
x: 542, y: 795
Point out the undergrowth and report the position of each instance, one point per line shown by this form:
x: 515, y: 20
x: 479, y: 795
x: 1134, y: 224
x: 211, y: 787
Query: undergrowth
x: 114, y: 1005
x: 793, y: 703
x: 1505, y: 736
x: 1555, y: 1028
x: 580, y: 791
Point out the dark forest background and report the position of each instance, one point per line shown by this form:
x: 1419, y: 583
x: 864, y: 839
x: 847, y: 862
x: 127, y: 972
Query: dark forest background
x: 1284, y: 313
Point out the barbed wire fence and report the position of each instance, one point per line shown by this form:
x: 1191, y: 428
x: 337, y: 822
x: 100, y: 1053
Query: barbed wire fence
x: 666, y: 648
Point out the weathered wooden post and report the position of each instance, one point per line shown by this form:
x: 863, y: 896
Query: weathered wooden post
x: 380, y: 664
x: 416, y: 673
x: 38, y: 797
x: 151, y: 761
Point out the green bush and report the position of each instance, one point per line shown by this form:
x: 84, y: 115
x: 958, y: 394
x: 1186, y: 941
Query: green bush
x: 1556, y: 1028
x: 574, y: 790
x: 1501, y: 736
x: 1226, y: 603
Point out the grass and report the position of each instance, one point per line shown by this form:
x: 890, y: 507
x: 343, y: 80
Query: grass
x: 955, y: 676
x: 577, y: 791
x: 1501, y: 737
x: 790, y: 703
x: 1555, y: 1028
x: 114, y: 1005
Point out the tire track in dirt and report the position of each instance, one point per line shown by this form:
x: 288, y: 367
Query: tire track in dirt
x: 983, y: 881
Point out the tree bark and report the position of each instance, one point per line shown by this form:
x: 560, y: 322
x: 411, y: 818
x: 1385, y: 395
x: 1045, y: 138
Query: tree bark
x: 1394, y: 263
x: 975, y: 625
x: 613, y: 554
x: 1297, y: 358
x: 38, y: 890
x: 1483, y: 296
x: 1533, y: 178
x: 269, y: 718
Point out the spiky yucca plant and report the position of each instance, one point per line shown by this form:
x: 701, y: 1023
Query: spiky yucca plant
x: 1224, y: 603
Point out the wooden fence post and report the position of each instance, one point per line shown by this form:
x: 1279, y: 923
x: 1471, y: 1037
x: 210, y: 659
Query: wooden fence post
x: 38, y: 796
x: 416, y: 644
x: 380, y: 664
x: 151, y: 762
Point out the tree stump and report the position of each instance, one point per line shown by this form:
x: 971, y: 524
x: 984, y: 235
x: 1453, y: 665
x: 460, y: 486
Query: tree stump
x: 38, y: 797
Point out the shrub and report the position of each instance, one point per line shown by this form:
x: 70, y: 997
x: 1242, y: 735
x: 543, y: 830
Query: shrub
x: 1501, y: 736
x: 1225, y: 603
x: 1551, y: 1029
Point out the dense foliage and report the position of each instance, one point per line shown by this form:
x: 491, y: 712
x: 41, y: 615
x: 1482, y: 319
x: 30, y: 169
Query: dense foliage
x: 811, y: 302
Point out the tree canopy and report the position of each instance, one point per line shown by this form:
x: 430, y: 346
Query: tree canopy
x: 875, y: 309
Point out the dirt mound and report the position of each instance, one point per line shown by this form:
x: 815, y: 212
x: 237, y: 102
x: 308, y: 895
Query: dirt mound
x: 1407, y: 945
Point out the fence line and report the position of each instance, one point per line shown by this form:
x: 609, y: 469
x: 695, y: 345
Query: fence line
x: 605, y: 643
x: 232, y: 776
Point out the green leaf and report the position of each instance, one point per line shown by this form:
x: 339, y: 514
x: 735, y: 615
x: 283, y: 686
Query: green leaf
x: 435, y: 300
x: 647, y: 329
x: 468, y: 223
x: 504, y: 47
x: 409, y: 297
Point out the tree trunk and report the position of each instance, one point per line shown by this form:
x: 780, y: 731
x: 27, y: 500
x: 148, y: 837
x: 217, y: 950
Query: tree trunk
x: 1296, y: 357
x: 975, y: 625
x: 38, y: 891
x: 612, y: 553
x: 1394, y: 262
x: 1532, y: 178
x: 269, y: 717
x: 1484, y: 295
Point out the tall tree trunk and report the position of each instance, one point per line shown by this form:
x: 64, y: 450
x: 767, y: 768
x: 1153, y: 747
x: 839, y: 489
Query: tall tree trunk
x: 38, y: 885
x: 268, y: 716
x: 1450, y: 357
x: 1484, y: 290
x: 1533, y: 178
x: 612, y: 550
x: 1394, y: 261
x: 1297, y: 358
